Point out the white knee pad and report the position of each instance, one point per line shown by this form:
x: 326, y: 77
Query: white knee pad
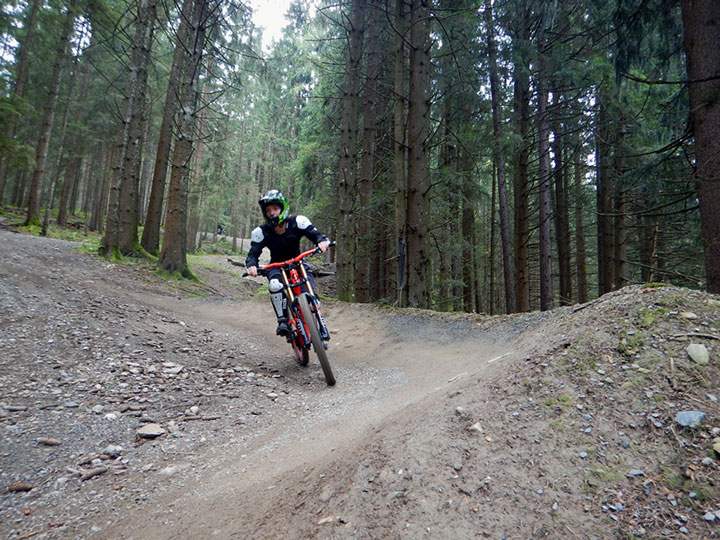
x: 277, y: 297
x: 275, y: 285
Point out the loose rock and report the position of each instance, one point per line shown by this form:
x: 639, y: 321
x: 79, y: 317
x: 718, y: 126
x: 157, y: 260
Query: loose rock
x: 150, y: 431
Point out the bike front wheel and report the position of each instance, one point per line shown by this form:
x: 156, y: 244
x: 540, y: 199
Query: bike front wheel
x: 317, y: 343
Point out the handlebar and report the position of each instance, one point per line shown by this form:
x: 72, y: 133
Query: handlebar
x: 294, y: 260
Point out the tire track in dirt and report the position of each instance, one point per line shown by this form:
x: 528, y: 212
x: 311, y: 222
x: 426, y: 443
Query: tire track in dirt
x: 386, y: 364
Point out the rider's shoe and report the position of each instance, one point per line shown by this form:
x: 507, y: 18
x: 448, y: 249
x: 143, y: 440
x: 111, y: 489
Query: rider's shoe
x: 282, y: 328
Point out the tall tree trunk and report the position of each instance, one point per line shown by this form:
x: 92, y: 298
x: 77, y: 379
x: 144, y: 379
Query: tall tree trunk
x: 499, y: 158
x: 72, y: 170
x: 151, y: 233
x: 546, y: 294
x: 418, y: 181
x: 18, y: 92
x: 580, y: 262
x: 367, y: 162
x: 701, y: 22
x: 107, y: 158
x: 173, y: 256
x: 130, y: 181
x: 43, y: 144
x: 194, y: 186
x: 347, y: 175
x: 562, y: 217
x: 521, y: 181
x: 399, y: 151
x: 468, y: 247
x: 122, y: 221
x: 605, y: 237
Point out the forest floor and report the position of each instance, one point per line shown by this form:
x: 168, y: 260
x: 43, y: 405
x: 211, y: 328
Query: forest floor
x: 136, y: 407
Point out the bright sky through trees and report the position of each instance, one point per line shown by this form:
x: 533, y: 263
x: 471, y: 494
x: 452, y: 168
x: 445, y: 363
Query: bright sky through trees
x: 270, y: 15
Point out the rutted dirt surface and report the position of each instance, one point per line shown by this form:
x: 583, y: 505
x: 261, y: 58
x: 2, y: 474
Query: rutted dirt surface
x: 553, y: 425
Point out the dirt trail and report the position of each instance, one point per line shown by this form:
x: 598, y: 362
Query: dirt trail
x: 541, y: 425
x: 383, y: 372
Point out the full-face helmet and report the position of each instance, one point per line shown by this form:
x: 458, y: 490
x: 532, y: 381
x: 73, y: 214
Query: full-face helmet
x: 274, y: 197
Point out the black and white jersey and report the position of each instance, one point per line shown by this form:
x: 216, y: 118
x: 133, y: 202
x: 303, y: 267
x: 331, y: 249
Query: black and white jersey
x: 282, y: 246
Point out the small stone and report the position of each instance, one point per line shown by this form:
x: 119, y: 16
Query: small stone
x: 459, y: 410
x: 170, y: 470
x: 14, y: 408
x: 194, y: 409
x: 458, y: 466
x: 698, y: 353
x: 691, y: 419
x: 47, y: 441
x: 97, y: 409
x: 476, y: 427
x: 687, y: 315
x: 174, y: 370
x: 150, y: 431
x: 716, y: 445
x: 272, y: 395
x: 583, y: 455
x: 636, y: 472
x: 71, y: 405
x: 113, y: 450
x: 16, y: 487
x: 709, y: 516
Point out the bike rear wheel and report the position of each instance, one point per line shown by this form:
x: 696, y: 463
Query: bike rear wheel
x: 317, y: 343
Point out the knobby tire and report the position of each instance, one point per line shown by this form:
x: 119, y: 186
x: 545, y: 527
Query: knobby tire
x: 317, y: 343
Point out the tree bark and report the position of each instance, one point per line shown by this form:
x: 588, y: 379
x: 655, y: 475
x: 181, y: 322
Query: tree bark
x: 499, y: 159
x: 18, y: 92
x: 562, y: 216
x: 546, y: 294
x: 173, y: 256
x: 347, y: 164
x: 122, y: 221
x: 521, y: 181
x: 399, y: 153
x: 606, y: 263
x: 418, y: 181
x: 701, y: 23
x: 151, y: 233
x: 580, y: 262
x: 367, y: 163
x: 74, y: 162
x: 43, y: 144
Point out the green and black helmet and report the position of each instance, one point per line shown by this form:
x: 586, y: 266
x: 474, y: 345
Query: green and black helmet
x: 274, y: 197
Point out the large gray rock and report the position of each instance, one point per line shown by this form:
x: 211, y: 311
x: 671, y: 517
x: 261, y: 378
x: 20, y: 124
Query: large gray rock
x: 698, y: 353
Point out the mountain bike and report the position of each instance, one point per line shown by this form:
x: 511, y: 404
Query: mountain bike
x: 305, y: 320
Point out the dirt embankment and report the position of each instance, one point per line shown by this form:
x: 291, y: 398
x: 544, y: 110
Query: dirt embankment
x: 553, y: 425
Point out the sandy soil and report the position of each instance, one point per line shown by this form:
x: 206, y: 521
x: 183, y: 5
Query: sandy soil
x: 553, y: 425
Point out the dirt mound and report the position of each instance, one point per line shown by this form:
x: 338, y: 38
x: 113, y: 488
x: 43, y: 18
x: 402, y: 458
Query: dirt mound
x: 559, y: 424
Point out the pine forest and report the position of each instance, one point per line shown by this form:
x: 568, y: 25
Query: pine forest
x: 490, y: 156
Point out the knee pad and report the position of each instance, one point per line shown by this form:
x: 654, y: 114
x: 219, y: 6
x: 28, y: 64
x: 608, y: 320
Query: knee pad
x: 275, y: 285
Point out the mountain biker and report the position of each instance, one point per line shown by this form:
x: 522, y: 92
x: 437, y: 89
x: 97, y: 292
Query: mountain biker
x: 281, y: 234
